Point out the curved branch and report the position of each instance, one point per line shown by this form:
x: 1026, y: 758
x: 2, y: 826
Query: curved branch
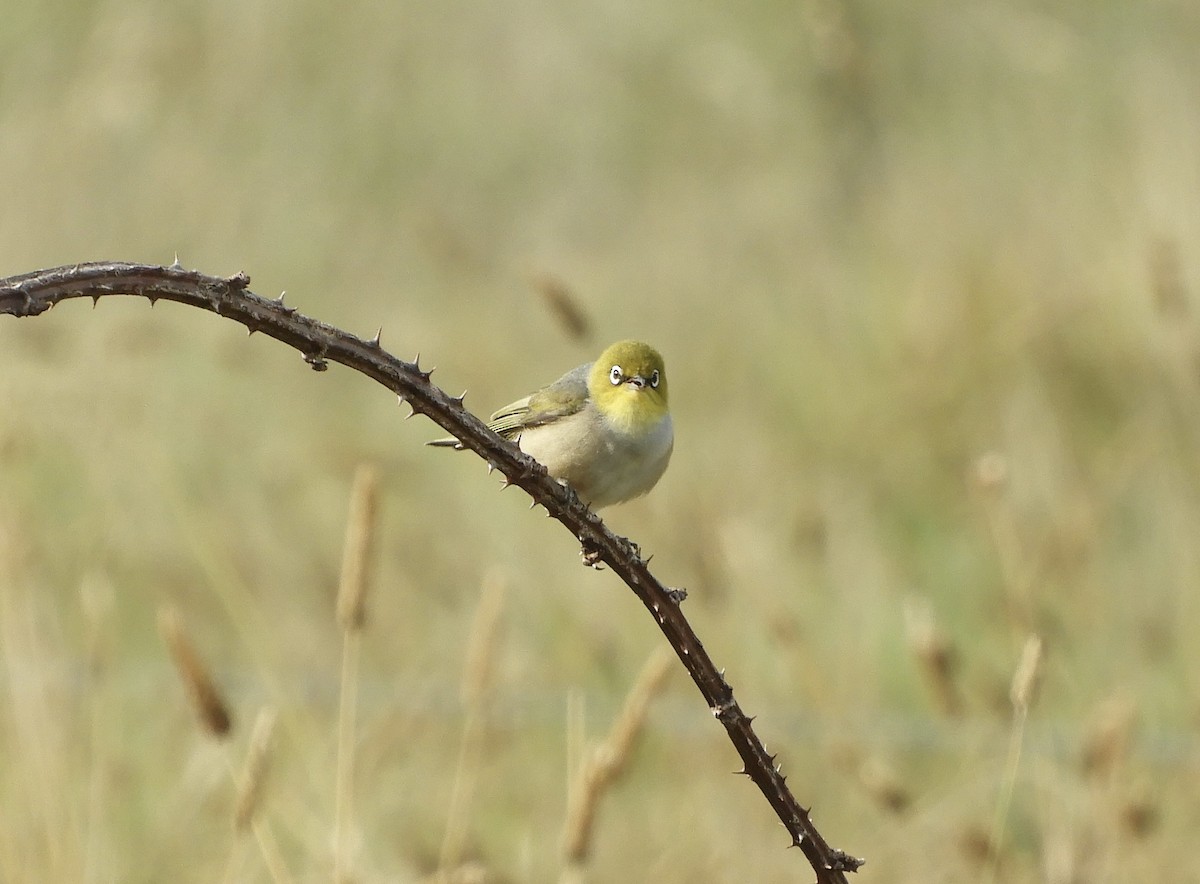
x: 32, y: 294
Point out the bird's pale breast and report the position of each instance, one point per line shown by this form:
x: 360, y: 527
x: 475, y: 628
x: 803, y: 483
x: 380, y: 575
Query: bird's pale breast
x: 604, y: 465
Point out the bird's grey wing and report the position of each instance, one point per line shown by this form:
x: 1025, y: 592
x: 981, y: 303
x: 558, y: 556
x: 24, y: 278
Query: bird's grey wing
x: 565, y: 396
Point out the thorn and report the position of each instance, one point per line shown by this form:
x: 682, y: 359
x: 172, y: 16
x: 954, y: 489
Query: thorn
x: 491, y: 467
x: 250, y: 330
x: 95, y: 301
x: 278, y: 302
x: 532, y: 504
x: 175, y: 265
x: 317, y: 361
x: 239, y: 280
x: 416, y: 363
x: 374, y: 342
x: 459, y: 399
x: 646, y: 561
x: 153, y: 299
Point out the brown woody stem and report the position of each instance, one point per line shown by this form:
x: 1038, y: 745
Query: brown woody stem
x: 34, y: 293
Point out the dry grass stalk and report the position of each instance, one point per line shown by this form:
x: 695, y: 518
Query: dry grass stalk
x: 96, y: 598
x: 39, y: 816
x: 884, y: 786
x: 977, y: 845
x: 1139, y: 815
x: 477, y: 678
x: 481, y: 643
x: 210, y: 706
x: 1021, y: 692
x: 1108, y: 737
x: 356, y: 552
x: 249, y: 785
x: 989, y: 478
x: 608, y: 760
x: 254, y: 770
x: 935, y: 653
x: 361, y: 525
x: 1028, y: 675
x: 563, y: 305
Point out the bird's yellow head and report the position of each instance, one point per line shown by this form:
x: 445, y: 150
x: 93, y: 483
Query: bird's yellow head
x: 628, y: 383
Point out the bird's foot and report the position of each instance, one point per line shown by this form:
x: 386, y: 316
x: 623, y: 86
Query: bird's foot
x: 590, y: 554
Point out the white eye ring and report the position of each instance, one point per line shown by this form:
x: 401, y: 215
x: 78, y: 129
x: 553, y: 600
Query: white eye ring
x: 654, y: 378
x: 615, y: 375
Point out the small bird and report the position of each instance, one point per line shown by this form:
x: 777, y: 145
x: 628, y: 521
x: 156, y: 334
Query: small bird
x: 603, y: 428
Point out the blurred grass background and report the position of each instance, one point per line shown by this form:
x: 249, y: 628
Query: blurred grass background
x: 924, y: 276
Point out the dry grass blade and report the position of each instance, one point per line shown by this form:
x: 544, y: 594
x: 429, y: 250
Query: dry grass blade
x: 607, y: 761
x: 254, y: 770
x: 563, y: 305
x: 481, y: 644
x: 884, y: 786
x: 202, y: 691
x: 1024, y: 682
x: 1109, y: 736
x: 937, y: 656
x: 477, y: 677
x: 356, y: 555
x: 351, y: 614
x: 989, y: 478
x: 1028, y: 675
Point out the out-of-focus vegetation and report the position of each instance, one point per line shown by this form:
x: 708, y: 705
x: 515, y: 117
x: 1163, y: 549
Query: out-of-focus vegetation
x: 926, y: 278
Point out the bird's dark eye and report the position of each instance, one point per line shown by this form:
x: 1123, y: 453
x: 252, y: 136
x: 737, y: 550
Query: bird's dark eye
x: 654, y: 378
x: 615, y: 375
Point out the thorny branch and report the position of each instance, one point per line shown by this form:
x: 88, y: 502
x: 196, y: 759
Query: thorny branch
x: 34, y: 293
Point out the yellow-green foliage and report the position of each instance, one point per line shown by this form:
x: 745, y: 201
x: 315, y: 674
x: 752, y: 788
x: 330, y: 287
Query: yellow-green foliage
x: 925, y: 277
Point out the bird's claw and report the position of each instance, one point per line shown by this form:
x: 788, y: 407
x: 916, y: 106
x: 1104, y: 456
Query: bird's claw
x: 590, y: 554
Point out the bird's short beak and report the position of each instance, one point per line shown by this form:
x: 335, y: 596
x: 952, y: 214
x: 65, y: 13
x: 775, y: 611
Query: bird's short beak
x: 638, y: 381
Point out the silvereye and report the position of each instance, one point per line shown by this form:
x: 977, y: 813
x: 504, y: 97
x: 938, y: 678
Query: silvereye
x: 603, y: 428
